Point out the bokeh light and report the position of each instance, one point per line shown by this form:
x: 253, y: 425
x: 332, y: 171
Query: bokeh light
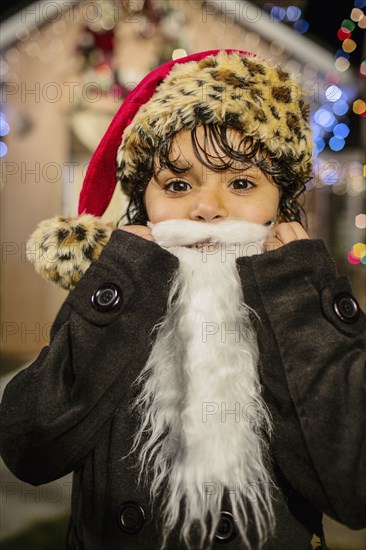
x: 344, y: 33
x: 355, y: 169
x: 293, y: 13
x: 360, y: 221
x: 336, y: 144
x: 348, y: 24
x: 324, y: 118
x: 178, y: 53
x: 349, y: 45
x: 341, y: 130
x: 342, y: 64
x: 301, y: 26
x: 329, y: 174
x: 352, y: 259
x: 319, y: 145
x: 3, y: 149
x: 359, y: 107
x: 362, y: 22
x: 359, y: 250
x: 340, y: 107
x: 4, y: 127
x: 333, y: 93
x: 278, y: 13
x: 342, y: 53
x: 356, y: 14
x: 332, y: 78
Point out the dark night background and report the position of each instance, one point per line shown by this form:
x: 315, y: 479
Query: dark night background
x: 324, y: 16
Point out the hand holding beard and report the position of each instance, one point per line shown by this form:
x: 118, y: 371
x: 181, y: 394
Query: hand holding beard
x: 282, y: 234
x: 278, y: 236
x: 139, y: 230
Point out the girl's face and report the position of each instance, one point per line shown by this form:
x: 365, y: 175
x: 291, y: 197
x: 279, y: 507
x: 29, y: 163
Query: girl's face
x: 204, y: 195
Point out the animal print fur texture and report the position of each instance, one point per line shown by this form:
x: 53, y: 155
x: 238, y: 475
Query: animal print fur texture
x: 62, y: 248
x: 261, y: 101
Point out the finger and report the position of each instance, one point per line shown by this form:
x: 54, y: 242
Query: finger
x: 299, y: 230
x: 139, y: 231
x: 288, y: 232
x: 272, y: 243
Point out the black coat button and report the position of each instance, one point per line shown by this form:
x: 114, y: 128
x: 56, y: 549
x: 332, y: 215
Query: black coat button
x: 346, y: 307
x: 106, y: 297
x: 226, y: 530
x: 131, y: 517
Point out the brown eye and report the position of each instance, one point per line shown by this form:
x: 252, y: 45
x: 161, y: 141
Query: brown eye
x: 177, y: 185
x: 242, y: 184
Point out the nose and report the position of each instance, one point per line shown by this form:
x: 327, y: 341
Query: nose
x: 208, y: 207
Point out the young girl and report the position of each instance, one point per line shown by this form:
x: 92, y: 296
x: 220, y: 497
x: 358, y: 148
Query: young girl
x: 205, y: 377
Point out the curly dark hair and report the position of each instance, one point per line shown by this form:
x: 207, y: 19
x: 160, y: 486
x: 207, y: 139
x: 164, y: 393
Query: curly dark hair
x: 247, y: 152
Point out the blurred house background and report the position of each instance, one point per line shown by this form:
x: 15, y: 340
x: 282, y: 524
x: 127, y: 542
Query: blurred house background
x: 66, y: 66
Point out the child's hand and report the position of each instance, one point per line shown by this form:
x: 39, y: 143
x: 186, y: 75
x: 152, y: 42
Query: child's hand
x: 139, y: 230
x: 284, y: 233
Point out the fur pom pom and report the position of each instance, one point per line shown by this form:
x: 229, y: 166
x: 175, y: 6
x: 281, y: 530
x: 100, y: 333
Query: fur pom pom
x: 62, y: 249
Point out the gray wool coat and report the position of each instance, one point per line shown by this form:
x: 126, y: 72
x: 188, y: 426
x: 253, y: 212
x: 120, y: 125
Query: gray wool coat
x: 69, y: 411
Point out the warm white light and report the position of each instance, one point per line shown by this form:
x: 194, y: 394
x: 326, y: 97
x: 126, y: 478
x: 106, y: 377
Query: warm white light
x: 362, y: 22
x: 356, y: 14
x: 341, y: 64
x: 333, y: 93
x: 360, y: 221
x: 355, y: 186
x: 177, y: 54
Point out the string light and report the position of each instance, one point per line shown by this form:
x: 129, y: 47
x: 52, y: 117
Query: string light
x: 328, y: 123
x: 343, y: 33
x: 348, y: 24
x: 332, y: 128
x: 349, y: 45
x: 362, y: 22
x: 359, y: 107
x: 342, y: 64
x: 356, y: 14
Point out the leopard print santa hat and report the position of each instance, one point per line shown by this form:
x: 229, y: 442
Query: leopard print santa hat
x: 223, y: 87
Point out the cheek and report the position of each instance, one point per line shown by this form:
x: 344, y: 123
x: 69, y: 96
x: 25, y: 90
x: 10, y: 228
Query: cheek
x: 259, y: 209
x: 157, y: 208
x: 156, y: 213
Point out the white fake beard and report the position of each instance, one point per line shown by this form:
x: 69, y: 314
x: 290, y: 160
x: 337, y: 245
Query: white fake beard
x: 200, y: 404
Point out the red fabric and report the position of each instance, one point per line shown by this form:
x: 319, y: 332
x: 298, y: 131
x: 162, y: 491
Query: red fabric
x: 104, y: 40
x: 100, y: 179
